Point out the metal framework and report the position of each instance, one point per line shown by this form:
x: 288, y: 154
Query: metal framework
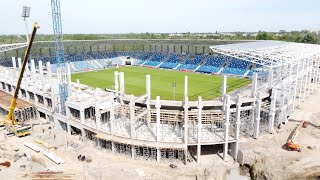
x: 58, y: 40
x: 8, y: 47
x: 268, y: 53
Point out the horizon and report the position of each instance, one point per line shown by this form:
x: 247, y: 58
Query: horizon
x: 141, y: 16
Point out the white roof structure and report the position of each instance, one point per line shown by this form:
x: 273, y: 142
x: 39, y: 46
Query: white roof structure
x: 7, y: 47
x: 268, y: 53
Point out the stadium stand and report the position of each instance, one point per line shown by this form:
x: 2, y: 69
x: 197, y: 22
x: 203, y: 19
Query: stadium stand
x: 213, y: 64
x: 236, y: 67
x: 199, y: 63
x: 172, y: 62
x: 192, y: 62
x: 156, y: 59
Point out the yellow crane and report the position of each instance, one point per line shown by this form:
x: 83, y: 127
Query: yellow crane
x: 12, y: 125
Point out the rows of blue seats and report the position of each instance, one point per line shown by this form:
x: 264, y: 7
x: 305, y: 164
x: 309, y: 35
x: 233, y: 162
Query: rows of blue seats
x: 236, y: 66
x: 156, y: 59
x: 213, y: 64
x: 172, y: 62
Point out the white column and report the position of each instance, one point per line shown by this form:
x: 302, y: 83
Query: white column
x: 148, y: 91
x: 185, y: 86
x: 158, y: 106
x: 19, y: 63
x: 98, y: 117
x: 272, y: 110
x: 49, y: 73
x: 132, y: 117
x: 200, y: 106
x: 186, y: 125
x: 224, y: 85
x: 69, y: 79
x: 306, y: 80
x: 254, y: 84
x: 82, y: 116
x: 301, y: 75
x: 257, y: 117
x: 238, y: 122
x: 116, y: 83
x: 14, y: 64
x: 270, y: 78
x: 224, y: 90
x: 112, y: 116
x: 297, y: 73
x: 122, y: 90
x: 33, y: 66
x: 226, y: 128
x: 40, y: 68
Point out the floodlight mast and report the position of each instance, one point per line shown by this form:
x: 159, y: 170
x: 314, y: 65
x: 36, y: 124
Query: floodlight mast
x: 26, y: 15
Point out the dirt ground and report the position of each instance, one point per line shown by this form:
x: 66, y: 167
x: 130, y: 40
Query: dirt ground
x: 104, y: 165
x: 268, y: 157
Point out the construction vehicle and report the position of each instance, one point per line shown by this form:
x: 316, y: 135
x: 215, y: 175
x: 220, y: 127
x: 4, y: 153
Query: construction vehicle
x: 292, y: 143
x: 12, y: 125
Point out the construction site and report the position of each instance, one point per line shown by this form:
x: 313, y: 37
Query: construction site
x: 53, y: 128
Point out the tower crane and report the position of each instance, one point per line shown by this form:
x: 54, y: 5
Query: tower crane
x: 61, y: 66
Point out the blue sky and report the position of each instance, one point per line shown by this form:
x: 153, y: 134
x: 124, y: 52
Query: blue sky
x: 123, y: 16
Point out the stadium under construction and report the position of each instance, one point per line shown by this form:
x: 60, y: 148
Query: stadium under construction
x: 283, y: 75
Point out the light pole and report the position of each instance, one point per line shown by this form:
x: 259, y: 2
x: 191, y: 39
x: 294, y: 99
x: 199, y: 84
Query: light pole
x: 26, y: 15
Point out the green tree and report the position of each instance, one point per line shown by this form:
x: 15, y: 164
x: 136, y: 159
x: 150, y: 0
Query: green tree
x: 264, y: 36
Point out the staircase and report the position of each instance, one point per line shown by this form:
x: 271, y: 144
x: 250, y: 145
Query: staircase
x: 177, y: 66
x: 95, y: 61
x: 197, y: 68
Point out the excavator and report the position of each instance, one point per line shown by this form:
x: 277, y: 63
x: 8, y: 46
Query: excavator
x: 12, y: 125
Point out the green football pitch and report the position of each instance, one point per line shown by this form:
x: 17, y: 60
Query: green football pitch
x: 207, y: 86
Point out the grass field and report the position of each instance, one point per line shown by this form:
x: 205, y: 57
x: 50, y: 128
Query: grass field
x: 203, y: 85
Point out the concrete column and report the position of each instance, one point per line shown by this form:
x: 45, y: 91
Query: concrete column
x: 224, y: 91
x: 254, y: 84
x: 98, y: 117
x: 158, y: 106
x: 224, y: 86
x: 200, y: 106
x: 116, y: 83
x: 14, y: 64
x: 272, y: 110
x: 82, y: 116
x: 19, y: 63
x: 40, y: 68
x: 226, y: 128
x: 295, y: 86
x: 257, y: 117
x: 69, y: 79
x: 122, y: 90
x: 132, y: 118
x: 186, y: 125
x: 148, y: 91
x: 305, y: 81
x: 254, y: 95
x: 238, y: 122
x: 270, y: 78
x: 49, y: 73
x: 185, y: 86
x: 301, y: 74
x: 33, y: 66
x: 112, y: 117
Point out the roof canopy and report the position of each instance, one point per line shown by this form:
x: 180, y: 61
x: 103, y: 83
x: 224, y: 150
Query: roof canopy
x: 268, y: 53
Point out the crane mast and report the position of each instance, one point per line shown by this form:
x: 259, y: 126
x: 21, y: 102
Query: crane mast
x: 61, y: 67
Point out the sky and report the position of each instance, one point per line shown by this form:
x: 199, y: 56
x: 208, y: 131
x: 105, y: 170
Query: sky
x: 167, y: 16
